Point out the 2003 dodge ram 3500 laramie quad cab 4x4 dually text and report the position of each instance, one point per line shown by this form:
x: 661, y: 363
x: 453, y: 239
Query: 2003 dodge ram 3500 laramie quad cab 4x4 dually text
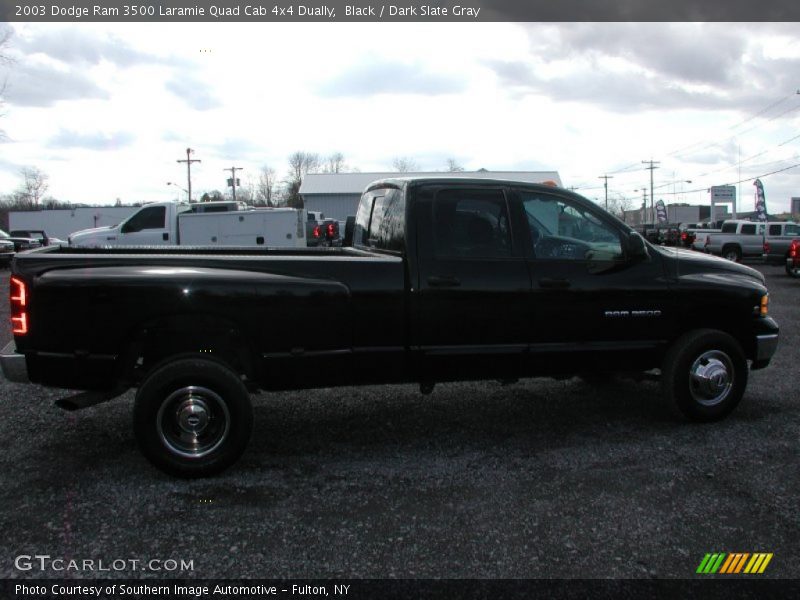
x: 445, y: 280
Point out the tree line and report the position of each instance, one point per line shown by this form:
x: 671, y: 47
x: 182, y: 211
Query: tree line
x: 265, y: 189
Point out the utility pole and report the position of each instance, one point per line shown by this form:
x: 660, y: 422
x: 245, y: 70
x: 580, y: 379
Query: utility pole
x: 189, y: 160
x: 652, y: 166
x: 605, y: 185
x: 232, y: 181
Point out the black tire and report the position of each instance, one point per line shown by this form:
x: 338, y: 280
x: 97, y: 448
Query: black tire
x: 793, y: 271
x: 704, y: 374
x: 192, y: 417
x: 733, y: 253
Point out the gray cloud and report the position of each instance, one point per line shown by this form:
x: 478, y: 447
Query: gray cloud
x: 195, y: 93
x: 92, y: 141
x: 672, y: 66
x: 40, y: 85
x: 390, y: 78
x: 237, y: 148
x: 74, y: 47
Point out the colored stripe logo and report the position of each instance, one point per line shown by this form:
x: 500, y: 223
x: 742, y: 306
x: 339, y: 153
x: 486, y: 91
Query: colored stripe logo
x: 734, y: 563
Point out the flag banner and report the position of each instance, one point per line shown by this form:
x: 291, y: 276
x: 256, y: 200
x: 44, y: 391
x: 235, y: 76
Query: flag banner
x: 661, y: 211
x: 761, y: 201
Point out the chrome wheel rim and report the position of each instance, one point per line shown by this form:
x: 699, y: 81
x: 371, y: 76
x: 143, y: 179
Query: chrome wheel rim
x: 711, y: 378
x: 193, y: 421
x: 731, y: 256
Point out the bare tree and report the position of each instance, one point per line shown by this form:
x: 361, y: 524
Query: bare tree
x: 33, y: 188
x: 618, y: 204
x: 453, y: 166
x: 300, y: 164
x: 266, y: 187
x: 335, y: 163
x: 404, y: 164
x: 5, y: 36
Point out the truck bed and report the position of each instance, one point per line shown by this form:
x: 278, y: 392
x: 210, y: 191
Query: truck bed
x: 276, y: 303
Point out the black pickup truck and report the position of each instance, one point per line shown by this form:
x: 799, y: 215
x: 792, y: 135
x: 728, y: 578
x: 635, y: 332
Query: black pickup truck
x: 445, y: 280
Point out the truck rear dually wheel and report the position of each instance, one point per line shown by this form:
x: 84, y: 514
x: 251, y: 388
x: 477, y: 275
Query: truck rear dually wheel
x: 705, y: 374
x: 732, y: 253
x: 192, y: 417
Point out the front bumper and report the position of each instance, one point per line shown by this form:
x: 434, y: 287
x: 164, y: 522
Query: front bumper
x: 14, y: 366
x: 766, y: 343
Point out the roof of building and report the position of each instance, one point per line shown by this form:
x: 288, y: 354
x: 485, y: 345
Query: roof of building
x: 355, y: 183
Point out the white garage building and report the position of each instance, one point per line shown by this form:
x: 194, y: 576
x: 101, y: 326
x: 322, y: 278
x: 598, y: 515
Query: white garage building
x: 337, y: 194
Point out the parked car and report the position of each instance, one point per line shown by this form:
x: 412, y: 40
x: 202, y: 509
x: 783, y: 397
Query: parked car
x: 777, y: 241
x: 6, y: 252
x: 737, y: 240
x: 793, y: 259
x: 448, y: 279
x: 21, y: 243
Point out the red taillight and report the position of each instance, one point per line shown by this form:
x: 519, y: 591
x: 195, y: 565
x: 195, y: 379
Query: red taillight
x: 18, y: 295
x: 794, y: 247
x: 317, y: 231
x: 684, y: 236
x: 19, y: 324
x: 766, y: 247
x: 331, y: 231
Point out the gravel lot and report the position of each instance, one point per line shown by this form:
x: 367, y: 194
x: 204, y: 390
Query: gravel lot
x: 539, y: 479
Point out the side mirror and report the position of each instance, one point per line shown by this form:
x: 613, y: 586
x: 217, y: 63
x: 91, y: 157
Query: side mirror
x: 637, y: 249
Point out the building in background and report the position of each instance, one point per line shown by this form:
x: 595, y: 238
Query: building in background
x: 679, y: 213
x: 337, y: 194
x: 795, y: 205
x: 61, y: 223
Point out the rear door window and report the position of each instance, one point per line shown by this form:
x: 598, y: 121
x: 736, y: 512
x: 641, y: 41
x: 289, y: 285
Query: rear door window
x: 471, y: 223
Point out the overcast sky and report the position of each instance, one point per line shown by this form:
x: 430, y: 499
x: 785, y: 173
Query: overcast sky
x: 106, y: 109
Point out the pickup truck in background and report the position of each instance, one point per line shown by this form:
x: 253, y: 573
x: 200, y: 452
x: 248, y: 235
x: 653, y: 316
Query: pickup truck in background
x: 793, y: 259
x: 697, y: 234
x: 201, y: 224
x: 447, y: 279
x: 321, y: 231
x: 36, y: 234
x: 737, y: 240
x: 778, y: 238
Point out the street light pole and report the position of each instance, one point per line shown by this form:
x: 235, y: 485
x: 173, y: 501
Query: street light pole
x: 179, y: 187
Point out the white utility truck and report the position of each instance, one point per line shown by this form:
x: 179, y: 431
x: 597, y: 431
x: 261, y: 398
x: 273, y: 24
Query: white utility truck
x: 223, y: 224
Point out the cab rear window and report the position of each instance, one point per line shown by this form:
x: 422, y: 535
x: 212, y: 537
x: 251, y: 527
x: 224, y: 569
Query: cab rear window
x: 380, y: 222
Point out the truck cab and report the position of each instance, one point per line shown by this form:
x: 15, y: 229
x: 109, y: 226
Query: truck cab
x: 154, y: 224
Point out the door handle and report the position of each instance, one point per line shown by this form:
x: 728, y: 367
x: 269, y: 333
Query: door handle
x: 111, y: 237
x: 165, y: 237
x: 554, y: 284
x: 443, y: 281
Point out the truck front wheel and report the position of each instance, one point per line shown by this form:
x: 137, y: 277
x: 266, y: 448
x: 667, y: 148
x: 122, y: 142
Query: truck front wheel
x: 192, y: 417
x: 705, y: 374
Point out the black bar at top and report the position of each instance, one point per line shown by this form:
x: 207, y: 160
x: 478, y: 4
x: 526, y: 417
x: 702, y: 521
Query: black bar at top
x: 433, y: 11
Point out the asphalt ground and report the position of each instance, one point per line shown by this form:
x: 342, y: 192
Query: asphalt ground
x: 539, y: 479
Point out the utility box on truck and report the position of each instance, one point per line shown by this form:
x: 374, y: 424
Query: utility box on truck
x: 207, y: 224
x: 274, y: 227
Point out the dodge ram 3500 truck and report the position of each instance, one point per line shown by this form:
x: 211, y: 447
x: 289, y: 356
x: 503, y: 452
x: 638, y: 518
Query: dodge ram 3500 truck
x: 446, y: 280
